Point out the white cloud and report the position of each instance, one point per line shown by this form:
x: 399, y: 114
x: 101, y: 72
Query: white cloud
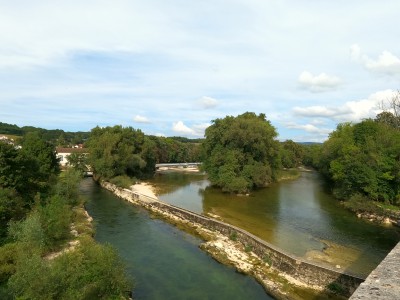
x: 141, y: 119
x: 351, y: 111
x: 386, y: 62
x: 208, y: 102
x: 181, y: 128
x: 318, y: 83
x: 200, y: 128
x: 196, y: 130
x: 320, y: 111
x: 309, y: 128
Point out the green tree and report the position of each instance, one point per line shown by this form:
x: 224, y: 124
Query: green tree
x: 241, y: 153
x: 363, y: 159
x: 389, y: 119
x: 312, y: 155
x: 67, y: 186
x: 292, y: 154
x: 12, y: 207
x: 55, y: 219
x: 116, y: 151
x: 78, y: 161
x: 42, y: 165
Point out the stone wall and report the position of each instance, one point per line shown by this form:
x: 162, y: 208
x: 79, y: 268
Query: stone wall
x: 301, y: 270
x: 384, y: 282
x: 304, y: 271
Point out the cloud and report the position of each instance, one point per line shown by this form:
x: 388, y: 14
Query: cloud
x: 208, y: 102
x: 181, y: 128
x: 320, y: 111
x: 141, y: 119
x: 309, y: 128
x: 386, y: 62
x: 318, y: 83
x: 351, y: 111
x: 197, y: 130
x: 200, y: 128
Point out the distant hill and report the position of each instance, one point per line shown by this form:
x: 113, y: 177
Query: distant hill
x: 55, y: 136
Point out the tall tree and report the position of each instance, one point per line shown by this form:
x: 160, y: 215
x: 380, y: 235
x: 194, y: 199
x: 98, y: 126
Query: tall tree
x: 241, y: 153
x: 116, y: 151
x: 292, y: 154
x: 364, y: 159
x: 42, y: 165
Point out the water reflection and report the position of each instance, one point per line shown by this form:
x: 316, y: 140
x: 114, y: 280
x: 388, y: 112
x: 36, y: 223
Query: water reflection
x: 298, y: 216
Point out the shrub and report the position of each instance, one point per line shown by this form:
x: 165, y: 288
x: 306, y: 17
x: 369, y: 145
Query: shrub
x: 123, y: 181
x: 91, y: 271
x: 55, y: 218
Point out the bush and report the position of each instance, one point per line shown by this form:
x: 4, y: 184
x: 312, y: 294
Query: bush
x: 28, y: 233
x: 55, y: 219
x: 67, y: 187
x: 91, y: 271
x: 123, y: 181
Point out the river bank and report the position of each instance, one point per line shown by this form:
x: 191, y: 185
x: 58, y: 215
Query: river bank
x: 373, y: 212
x: 232, y: 251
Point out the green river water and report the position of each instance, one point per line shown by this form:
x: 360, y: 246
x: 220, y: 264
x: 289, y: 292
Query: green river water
x: 298, y: 216
x: 165, y: 262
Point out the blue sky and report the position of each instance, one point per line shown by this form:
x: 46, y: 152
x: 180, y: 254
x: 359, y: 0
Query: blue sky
x: 170, y: 67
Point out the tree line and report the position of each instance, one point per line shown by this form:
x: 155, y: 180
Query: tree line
x: 56, y: 137
x: 361, y: 161
x: 38, y: 206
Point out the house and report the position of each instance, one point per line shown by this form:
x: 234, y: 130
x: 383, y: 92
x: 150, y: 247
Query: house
x: 63, y: 153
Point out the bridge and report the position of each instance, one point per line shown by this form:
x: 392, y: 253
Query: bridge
x: 178, y: 165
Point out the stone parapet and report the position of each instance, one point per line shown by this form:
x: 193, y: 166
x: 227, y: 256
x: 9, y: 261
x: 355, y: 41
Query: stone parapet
x: 384, y: 282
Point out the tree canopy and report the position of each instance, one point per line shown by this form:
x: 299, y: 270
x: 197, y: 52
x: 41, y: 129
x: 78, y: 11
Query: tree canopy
x: 241, y: 153
x: 364, y: 158
x: 115, y: 151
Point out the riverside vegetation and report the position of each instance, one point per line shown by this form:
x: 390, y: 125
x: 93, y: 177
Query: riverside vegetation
x: 47, y: 251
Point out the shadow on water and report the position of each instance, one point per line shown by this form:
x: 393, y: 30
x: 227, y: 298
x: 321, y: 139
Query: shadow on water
x: 165, y: 262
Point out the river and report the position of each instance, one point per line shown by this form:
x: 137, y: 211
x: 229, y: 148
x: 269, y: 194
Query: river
x: 165, y: 262
x: 298, y: 216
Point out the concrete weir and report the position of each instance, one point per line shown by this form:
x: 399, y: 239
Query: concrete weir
x: 310, y: 274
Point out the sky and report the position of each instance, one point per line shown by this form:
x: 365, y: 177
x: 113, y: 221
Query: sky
x: 171, y: 67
